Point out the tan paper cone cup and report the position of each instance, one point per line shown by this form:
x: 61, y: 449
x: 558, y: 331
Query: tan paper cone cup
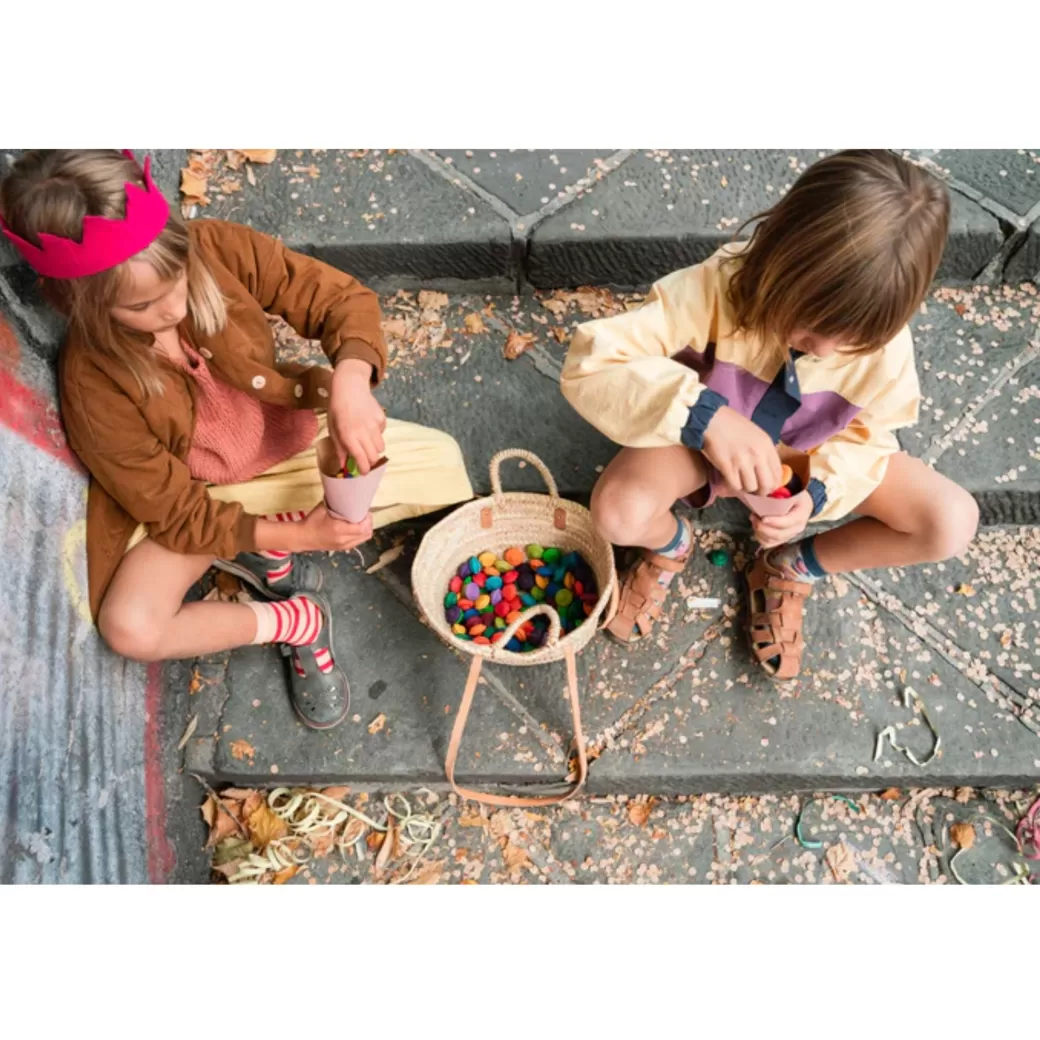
x: 347, y: 498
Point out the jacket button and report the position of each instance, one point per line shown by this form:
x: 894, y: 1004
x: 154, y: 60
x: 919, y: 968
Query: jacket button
x: 259, y: 382
x: 322, y: 392
x: 298, y: 390
x: 207, y: 354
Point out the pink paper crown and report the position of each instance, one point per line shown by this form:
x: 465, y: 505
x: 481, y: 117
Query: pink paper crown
x: 104, y: 243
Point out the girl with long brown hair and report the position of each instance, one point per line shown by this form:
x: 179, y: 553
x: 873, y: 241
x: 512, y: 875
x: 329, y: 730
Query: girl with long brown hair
x: 200, y: 446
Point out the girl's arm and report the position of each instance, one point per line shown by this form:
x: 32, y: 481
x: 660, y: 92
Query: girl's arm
x: 846, y: 469
x: 318, y: 300
x: 620, y: 374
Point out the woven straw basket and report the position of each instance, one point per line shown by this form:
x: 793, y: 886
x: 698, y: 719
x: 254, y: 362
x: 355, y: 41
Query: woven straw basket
x: 496, y: 523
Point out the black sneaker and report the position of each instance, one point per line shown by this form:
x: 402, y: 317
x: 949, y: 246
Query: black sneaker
x: 304, y: 575
x: 320, y: 699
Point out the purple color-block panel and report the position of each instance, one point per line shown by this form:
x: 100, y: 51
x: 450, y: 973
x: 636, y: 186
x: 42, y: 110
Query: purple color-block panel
x: 821, y: 416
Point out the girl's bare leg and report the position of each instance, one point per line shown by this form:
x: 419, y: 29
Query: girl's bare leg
x: 633, y: 499
x: 915, y: 516
x: 144, y: 616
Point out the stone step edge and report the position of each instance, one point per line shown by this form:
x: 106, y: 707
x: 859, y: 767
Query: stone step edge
x: 670, y: 784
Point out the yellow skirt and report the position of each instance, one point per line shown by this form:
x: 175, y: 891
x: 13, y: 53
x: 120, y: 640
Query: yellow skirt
x: 425, y: 472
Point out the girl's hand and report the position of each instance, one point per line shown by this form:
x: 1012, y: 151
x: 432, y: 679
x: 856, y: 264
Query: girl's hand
x: 776, y: 530
x: 356, y: 421
x: 742, y: 453
x: 321, y: 532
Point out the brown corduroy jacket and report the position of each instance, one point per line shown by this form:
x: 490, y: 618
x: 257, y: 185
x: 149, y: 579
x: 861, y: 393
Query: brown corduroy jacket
x: 136, y: 447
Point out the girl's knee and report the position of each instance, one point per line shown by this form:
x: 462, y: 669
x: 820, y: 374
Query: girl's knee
x: 129, y: 632
x: 951, y: 525
x: 622, y: 511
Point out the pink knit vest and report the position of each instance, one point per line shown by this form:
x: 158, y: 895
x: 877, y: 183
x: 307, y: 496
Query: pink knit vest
x: 236, y: 436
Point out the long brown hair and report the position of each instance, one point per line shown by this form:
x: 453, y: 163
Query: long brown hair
x: 52, y: 191
x: 848, y: 253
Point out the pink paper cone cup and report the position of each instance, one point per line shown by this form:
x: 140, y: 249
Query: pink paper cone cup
x: 763, y: 505
x: 347, y: 498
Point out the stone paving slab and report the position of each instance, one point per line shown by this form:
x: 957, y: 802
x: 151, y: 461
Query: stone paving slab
x: 400, y: 672
x: 378, y: 214
x: 526, y: 179
x: 1010, y: 176
x: 665, y: 210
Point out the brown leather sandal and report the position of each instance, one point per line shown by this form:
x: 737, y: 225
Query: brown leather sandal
x: 642, y: 596
x: 775, y: 615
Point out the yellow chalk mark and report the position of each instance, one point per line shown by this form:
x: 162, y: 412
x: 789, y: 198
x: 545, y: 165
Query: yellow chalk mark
x: 75, y: 539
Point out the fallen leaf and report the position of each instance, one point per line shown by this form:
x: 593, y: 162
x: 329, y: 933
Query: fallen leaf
x: 429, y: 875
x: 841, y: 861
x: 284, y: 874
x: 388, y: 848
x: 228, y: 855
x: 193, y: 186
x: 724, y: 182
x: 965, y: 589
x: 639, y: 812
x: 222, y: 821
x: 374, y: 840
x: 338, y: 793
x: 891, y: 795
x: 1005, y: 638
x: 964, y: 795
x: 189, y: 732
x: 377, y: 724
x: 234, y: 158
x: 241, y: 749
x: 230, y: 186
x: 434, y: 301
x: 514, y: 857
x: 474, y: 323
x: 386, y: 558
x: 517, y: 343
x: 395, y: 328
x: 500, y: 824
x: 250, y: 176
x: 259, y: 155
x: 265, y: 827
x: 560, y: 333
x: 228, y: 584
x: 237, y: 794
x: 472, y: 820
x: 962, y: 835
x: 196, y: 681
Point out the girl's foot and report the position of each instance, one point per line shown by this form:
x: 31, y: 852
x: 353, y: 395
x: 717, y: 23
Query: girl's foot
x: 318, y: 689
x: 645, y: 586
x: 776, y: 602
x: 275, y: 575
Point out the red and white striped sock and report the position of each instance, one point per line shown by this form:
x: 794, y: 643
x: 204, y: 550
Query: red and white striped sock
x: 281, y: 562
x: 297, y: 622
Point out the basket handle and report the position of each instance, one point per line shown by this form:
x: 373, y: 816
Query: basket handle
x: 511, y: 799
x: 527, y: 456
x: 553, y: 636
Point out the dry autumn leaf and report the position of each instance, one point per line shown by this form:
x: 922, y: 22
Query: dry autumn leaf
x: 283, y: 875
x: 388, y: 849
x: 514, y: 857
x: 841, y: 861
x: 259, y: 155
x: 433, y: 301
x: 474, y: 324
x: 962, y: 835
x: 230, y: 186
x: 228, y: 584
x: 890, y: 795
x: 377, y: 724
x: 429, y: 875
x: 265, y: 827
x: 222, y: 821
x: 639, y: 812
x: 560, y: 334
x: 965, y: 589
x: 189, y: 732
x: 194, y: 185
x: 472, y: 820
x: 517, y: 343
x: 241, y: 749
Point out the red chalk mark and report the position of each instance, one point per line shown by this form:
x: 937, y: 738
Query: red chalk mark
x: 161, y: 857
x: 33, y: 417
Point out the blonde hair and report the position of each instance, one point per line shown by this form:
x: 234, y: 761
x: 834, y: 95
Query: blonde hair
x: 52, y: 191
x: 848, y: 253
